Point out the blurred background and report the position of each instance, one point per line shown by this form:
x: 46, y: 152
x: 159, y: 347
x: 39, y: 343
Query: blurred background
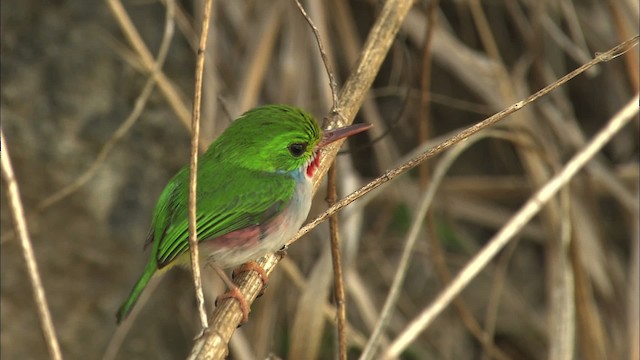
x: 566, y: 287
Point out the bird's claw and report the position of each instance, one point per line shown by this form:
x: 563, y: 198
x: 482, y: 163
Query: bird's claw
x: 242, y: 302
x: 253, y: 266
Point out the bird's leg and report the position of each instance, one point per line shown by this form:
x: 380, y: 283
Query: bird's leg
x: 253, y: 266
x: 233, y: 292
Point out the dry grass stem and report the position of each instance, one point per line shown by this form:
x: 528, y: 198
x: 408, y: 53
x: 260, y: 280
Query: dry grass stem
x: 20, y: 224
x: 193, y: 168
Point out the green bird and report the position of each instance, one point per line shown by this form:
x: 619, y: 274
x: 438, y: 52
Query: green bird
x: 254, y: 192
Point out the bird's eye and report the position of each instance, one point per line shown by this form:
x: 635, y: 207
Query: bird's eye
x: 297, y: 149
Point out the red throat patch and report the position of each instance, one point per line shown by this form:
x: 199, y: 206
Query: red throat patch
x: 313, y: 165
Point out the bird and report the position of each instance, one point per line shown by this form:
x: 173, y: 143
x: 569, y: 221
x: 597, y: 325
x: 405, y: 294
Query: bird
x: 254, y: 191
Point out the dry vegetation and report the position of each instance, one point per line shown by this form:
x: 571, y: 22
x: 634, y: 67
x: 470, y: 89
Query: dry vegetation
x: 81, y: 112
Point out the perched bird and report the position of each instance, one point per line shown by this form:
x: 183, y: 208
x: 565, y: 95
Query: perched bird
x: 254, y: 192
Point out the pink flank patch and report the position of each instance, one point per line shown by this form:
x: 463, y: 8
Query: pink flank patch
x: 247, y: 237
x: 239, y: 238
x: 313, y: 166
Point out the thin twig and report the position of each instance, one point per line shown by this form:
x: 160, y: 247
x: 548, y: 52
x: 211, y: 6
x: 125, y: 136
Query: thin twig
x: 524, y: 215
x: 332, y: 80
x: 20, y: 224
x: 337, y: 266
x: 193, y: 169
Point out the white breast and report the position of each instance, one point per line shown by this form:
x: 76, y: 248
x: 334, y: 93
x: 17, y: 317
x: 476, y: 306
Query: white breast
x: 276, y: 234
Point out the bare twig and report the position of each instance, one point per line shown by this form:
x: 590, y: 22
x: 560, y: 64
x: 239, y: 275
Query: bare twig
x: 532, y: 207
x: 193, y: 168
x: 332, y: 80
x: 337, y: 266
x: 20, y: 224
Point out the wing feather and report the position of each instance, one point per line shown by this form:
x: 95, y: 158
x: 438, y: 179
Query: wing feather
x: 225, y: 204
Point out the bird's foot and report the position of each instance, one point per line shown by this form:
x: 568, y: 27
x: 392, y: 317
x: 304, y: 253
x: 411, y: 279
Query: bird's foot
x: 235, y: 293
x: 253, y: 266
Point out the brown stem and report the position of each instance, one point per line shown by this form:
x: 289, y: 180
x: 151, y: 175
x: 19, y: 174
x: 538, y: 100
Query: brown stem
x: 337, y: 266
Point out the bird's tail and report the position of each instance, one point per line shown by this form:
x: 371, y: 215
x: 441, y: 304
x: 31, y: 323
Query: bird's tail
x: 137, y: 290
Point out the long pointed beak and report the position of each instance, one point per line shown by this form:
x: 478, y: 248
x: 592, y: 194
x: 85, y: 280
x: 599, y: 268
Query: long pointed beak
x: 343, y: 132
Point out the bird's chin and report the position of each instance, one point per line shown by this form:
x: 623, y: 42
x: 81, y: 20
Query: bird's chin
x: 313, y: 164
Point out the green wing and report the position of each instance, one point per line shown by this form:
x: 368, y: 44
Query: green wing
x: 226, y: 203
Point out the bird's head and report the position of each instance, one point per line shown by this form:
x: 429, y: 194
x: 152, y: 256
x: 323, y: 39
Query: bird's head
x: 278, y: 138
